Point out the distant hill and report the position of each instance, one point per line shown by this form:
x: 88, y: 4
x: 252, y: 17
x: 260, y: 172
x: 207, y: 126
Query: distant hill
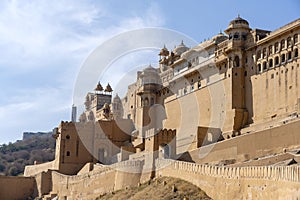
x: 163, y: 188
x: 15, y: 156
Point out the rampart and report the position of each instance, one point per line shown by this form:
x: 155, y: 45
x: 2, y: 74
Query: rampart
x: 103, y: 179
x: 32, y: 170
x: 255, y: 182
x: 249, y: 146
x: 12, y: 187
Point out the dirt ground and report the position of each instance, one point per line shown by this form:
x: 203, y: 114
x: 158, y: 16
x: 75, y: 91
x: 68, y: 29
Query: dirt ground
x: 162, y: 188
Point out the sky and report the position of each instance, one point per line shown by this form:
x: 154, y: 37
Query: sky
x: 43, y: 45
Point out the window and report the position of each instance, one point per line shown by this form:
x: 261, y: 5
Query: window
x: 289, y: 55
x: 265, y: 65
x: 259, y: 67
x: 236, y: 61
x: 296, y: 53
x: 68, y: 137
x: 289, y: 41
x: 282, y: 58
x: 199, y: 84
x: 244, y: 36
x: 236, y: 35
x: 295, y: 38
x: 68, y: 153
x: 270, y: 50
x: 184, y: 91
x: 270, y: 63
x: 282, y: 43
x: 276, y: 60
x: 230, y: 36
x: 152, y: 101
x: 258, y: 54
x: 264, y: 52
x: 192, y: 87
x: 276, y: 47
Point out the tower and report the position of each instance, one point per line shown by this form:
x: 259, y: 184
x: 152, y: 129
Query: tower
x: 117, y: 107
x: 238, y: 32
x: 74, y: 113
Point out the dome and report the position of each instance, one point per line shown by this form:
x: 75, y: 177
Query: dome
x: 149, y: 69
x: 164, y: 51
x: 117, y: 98
x: 180, y: 48
x: 237, y: 23
x: 239, y: 20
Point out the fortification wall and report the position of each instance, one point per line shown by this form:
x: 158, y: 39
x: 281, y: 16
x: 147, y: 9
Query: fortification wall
x: 260, y: 182
x: 12, y: 187
x: 31, y: 170
x: 249, y: 146
x: 101, y: 180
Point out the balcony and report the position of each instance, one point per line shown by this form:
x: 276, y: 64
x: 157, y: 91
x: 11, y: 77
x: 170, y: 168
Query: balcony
x: 147, y: 88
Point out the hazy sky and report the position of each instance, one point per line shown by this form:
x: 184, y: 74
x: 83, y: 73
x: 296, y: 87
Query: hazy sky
x: 44, y: 43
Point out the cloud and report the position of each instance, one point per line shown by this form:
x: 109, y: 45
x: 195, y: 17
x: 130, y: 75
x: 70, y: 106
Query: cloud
x: 42, y: 45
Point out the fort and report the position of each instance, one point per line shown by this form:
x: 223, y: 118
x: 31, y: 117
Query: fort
x: 223, y: 114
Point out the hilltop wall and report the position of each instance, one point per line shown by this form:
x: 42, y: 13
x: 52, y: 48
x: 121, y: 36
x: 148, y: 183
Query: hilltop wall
x: 103, y: 179
x: 261, y: 182
x: 12, y: 187
x: 253, y: 145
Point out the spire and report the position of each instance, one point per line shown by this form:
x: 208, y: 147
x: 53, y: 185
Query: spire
x: 108, y: 88
x: 99, y: 87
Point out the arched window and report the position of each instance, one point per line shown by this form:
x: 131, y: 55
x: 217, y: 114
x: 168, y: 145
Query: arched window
x: 282, y: 43
x: 146, y: 101
x: 270, y: 63
x: 276, y: 47
x: 296, y: 53
x: 264, y: 65
x: 68, y: 137
x: 295, y: 38
x: 230, y: 36
x: 282, y: 58
x: 259, y: 67
x: 289, y: 57
x: 199, y: 84
x: 289, y: 41
x: 236, y: 61
x: 152, y: 101
x: 244, y: 36
x: 236, y: 35
x: 276, y: 60
x: 264, y: 52
x: 258, y: 55
x: 270, y: 50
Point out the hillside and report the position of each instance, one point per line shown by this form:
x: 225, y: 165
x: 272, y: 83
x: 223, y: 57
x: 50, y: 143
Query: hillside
x: 163, y: 188
x: 15, y: 156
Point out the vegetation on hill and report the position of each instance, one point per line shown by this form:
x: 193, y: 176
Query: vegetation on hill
x: 163, y: 188
x: 15, y: 156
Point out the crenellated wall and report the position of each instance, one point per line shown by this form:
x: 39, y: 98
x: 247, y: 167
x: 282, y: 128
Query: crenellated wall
x: 17, y: 187
x: 103, y: 179
x: 254, y: 182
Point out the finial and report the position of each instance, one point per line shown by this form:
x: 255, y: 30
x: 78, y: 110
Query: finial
x: 99, y: 87
x: 108, y: 88
x: 182, y: 42
x: 238, y: 15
